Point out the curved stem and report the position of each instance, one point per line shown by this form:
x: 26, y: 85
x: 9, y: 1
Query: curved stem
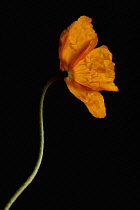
x: 41, y: 147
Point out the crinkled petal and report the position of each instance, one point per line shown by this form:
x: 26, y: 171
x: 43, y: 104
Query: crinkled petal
x: 96, y: 70
x: 92, y: 99
x: 78, y: 37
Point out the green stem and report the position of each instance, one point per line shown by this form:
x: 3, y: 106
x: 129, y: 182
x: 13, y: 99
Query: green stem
x: 41, y: 146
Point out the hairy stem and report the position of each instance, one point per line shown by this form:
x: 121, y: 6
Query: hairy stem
x: 41, y: 147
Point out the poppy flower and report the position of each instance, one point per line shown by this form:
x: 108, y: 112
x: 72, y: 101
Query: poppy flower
x: 89, y: 69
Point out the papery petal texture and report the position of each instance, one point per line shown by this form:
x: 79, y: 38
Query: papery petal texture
x: 96, y: 70
x: 78, y: 37
x: 92, y: 99
x: 89, y: 69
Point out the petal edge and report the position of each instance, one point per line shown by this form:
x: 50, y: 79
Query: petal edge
x: 93, y: 100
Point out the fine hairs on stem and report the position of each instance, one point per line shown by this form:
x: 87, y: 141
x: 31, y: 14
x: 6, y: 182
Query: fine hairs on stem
x: 41, y: 146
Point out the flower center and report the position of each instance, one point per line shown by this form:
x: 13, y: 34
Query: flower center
x: 65, y: 73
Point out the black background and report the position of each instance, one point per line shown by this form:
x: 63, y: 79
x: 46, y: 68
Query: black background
x: 88, y: 163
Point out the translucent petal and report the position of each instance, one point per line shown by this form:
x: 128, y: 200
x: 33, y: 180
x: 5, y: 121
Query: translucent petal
x: 78, y: 37
x: 96, y: 70
x: 92, y: 99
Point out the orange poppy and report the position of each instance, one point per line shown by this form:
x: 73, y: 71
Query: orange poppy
x: 89, y: 69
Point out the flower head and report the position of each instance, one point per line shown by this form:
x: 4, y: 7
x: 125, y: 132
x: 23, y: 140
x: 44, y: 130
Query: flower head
x: 89, y: 69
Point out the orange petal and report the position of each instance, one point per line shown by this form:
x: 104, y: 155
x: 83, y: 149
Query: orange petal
x: 92, y: 99
x: 75, y: 39
x: 96, y: 70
